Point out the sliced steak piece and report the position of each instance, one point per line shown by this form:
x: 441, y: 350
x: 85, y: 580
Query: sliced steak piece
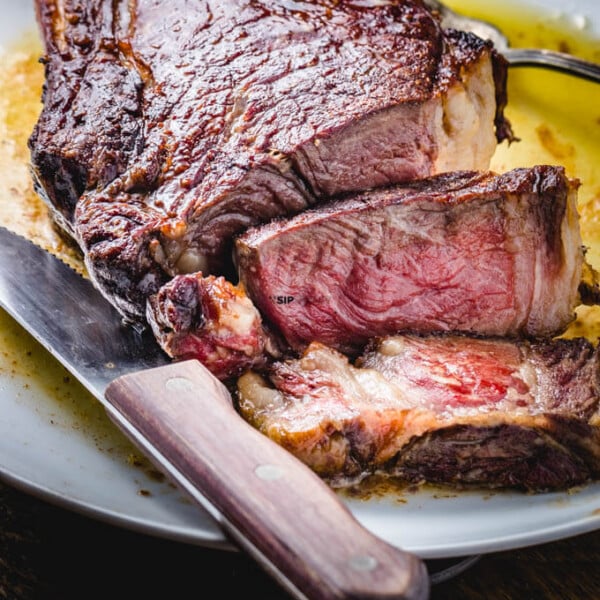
x: 164, y: 131
x: 440, y: 409
x: 464, y: 251
x: 213, y: 321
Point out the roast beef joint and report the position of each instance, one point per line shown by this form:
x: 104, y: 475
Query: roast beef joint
x: 298, y: 195
x: 165, y: 133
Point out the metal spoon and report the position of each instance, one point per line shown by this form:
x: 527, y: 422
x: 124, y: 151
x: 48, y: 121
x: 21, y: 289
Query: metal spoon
x: 517, y: 57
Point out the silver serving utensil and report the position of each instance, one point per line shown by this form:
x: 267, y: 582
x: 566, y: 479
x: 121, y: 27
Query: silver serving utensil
x: 517, y: 57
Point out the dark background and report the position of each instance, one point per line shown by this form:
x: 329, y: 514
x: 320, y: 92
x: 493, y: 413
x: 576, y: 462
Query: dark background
x: 48, y: 553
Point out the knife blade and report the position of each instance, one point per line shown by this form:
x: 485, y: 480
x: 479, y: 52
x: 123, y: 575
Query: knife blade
x: 182, y: 417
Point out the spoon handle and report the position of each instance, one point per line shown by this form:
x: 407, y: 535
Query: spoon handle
x: 558, y: 61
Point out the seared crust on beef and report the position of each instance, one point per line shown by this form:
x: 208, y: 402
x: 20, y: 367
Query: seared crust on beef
x: 441, y: 409
x: 164, y: 132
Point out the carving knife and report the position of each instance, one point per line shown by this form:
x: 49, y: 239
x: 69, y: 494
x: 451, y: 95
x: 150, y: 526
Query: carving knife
x: 182, y: 417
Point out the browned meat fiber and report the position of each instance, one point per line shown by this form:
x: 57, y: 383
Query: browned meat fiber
x: 465, y: 252
x: 213, y: 321
x: 167, y: 130
x: 443, y: 409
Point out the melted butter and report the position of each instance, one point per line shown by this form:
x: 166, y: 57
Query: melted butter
x: 46, y: 385
x: 21, y: 356
x: 50, y: 391
x: 21, y: 209
x: 556, y: 116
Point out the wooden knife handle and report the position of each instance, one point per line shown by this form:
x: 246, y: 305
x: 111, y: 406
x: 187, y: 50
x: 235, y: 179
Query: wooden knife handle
x: 265, y: 499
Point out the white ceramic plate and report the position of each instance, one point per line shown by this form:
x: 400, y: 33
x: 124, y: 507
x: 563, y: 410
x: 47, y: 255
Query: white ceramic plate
x: 56, y: 443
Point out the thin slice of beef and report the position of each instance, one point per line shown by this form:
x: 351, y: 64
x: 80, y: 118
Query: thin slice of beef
x: 465, y: 251
x: 441, y: 409
x: 169, y: 127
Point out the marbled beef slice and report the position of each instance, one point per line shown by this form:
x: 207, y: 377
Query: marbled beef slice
x: 442, y: 408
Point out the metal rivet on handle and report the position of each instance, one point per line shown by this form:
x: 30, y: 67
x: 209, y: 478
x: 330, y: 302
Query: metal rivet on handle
x: 363, y: 563
x: 269, y: 472
x: 179, y: 384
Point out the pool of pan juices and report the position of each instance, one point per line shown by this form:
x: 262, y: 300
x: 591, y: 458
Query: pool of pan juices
x: 557, y: 124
